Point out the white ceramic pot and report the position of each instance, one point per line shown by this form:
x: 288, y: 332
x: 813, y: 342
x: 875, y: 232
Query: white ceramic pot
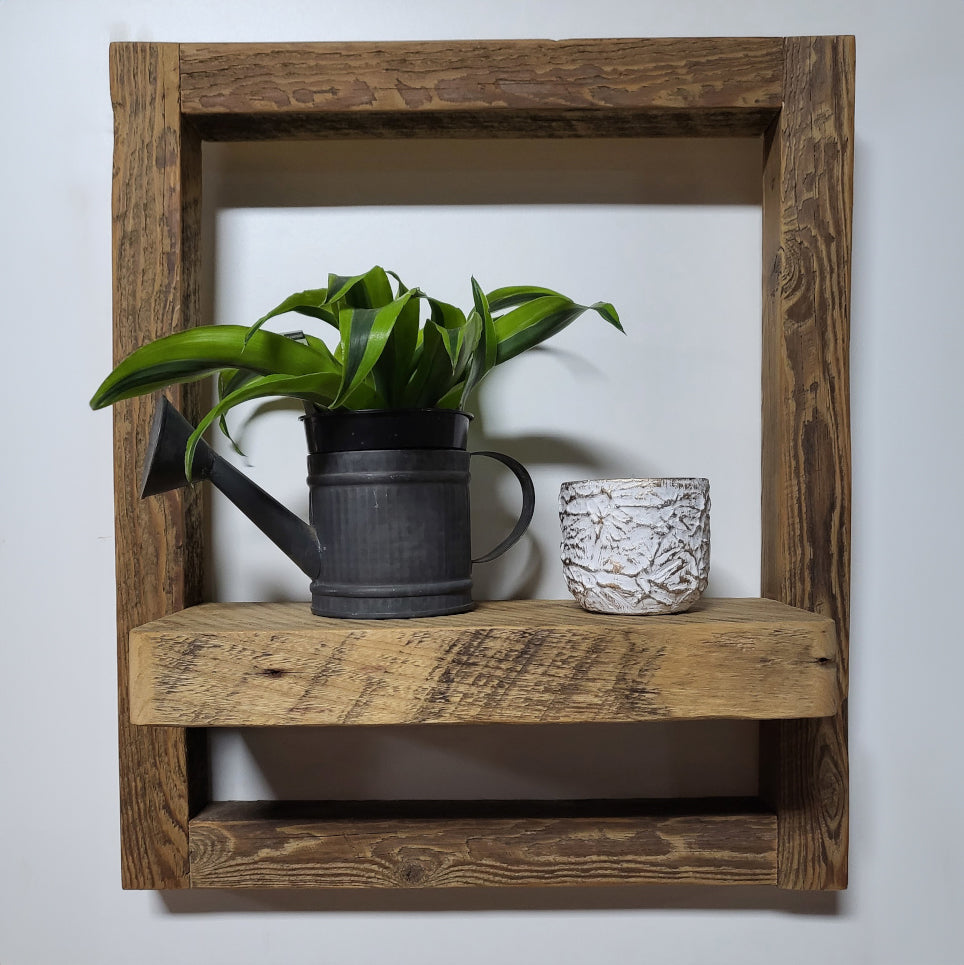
x: 636, y: 545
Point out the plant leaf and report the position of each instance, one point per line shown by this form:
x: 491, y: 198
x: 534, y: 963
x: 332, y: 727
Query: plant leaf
x: 452, y: 399
x: 364, y: 333
x: 230, y: 380
x: 397, y: 361
x: 433, y: 374
x: 503, y: 298
x: 535, y: 321
x: 445, y: 315
x: 191, y: 355
x: 317, y: 345
x: 319, y: 388
x: 484, y: 355
x: 369, y: 290
x: 470, y: 334
x: 312, y: 303
x: 452, y: 323
x: 607, y: 312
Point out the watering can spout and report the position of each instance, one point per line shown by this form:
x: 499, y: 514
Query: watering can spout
x: 164, y: 471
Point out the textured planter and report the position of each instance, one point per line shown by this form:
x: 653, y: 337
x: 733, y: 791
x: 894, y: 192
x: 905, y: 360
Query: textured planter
x: 636, y: 545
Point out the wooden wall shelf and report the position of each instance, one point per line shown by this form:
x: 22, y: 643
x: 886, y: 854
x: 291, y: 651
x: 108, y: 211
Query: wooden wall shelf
x: 518, y: 662
x: 781, y: 660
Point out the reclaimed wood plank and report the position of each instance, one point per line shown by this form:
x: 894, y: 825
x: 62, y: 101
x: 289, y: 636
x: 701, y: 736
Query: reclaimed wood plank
x: 515, y: 87
x: 460, y: 844
x: 808, y: 196
x: 156, y: 219
x: 513, y: 661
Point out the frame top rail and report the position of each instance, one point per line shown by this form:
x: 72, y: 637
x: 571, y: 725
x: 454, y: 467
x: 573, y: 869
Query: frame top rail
x: 693, y: 81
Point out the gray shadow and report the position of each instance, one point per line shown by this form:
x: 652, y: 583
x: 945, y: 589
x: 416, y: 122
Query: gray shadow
x: 744, y: 898
x: 504, y: 761
x: 431, y: 171
x: 494, y: 514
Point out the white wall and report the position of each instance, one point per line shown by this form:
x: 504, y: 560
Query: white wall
x: 672, y: 270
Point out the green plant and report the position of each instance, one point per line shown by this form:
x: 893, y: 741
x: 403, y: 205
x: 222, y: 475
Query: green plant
x: 386, y: 357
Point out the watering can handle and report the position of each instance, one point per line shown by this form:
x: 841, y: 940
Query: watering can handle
x: 528, y: 503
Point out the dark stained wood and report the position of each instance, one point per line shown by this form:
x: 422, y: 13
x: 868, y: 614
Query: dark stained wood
x: 517, y: 661
x: 508, y: 123
x: 459, y: 844
x: 156, y: 217
x: 808, y: 191
x: 689, y: 75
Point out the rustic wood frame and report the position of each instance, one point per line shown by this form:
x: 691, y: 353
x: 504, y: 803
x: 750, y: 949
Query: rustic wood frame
x: 796, y: 94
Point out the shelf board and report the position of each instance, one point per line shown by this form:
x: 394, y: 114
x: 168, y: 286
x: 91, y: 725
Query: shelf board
x: 523, y: 661
x: 268, y: 844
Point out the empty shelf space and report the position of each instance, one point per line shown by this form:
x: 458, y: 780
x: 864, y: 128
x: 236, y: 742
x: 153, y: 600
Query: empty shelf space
x: 469, y: 844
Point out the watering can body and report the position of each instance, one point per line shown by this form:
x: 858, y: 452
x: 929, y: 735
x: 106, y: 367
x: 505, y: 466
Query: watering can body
x: 389, y: 508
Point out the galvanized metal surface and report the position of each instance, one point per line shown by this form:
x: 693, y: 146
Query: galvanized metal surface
x: 389, y: 532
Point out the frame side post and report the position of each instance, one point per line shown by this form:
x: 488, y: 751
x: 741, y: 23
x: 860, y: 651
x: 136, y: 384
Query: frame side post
x: 156, y: 220
x: 807, y: 201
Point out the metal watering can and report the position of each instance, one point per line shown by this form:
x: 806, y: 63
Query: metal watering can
x: 389, y: 524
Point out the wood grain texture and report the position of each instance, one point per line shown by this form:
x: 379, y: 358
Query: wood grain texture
x: 510, y: 86
x: 808, y: 193
x: 455, y: 844
x: 516, y: 662
x: 156, y: 217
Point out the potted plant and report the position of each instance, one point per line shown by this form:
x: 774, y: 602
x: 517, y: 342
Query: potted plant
x: 385, y: 419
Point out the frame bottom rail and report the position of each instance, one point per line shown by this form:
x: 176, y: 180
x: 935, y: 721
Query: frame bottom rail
x: 432, y: 844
